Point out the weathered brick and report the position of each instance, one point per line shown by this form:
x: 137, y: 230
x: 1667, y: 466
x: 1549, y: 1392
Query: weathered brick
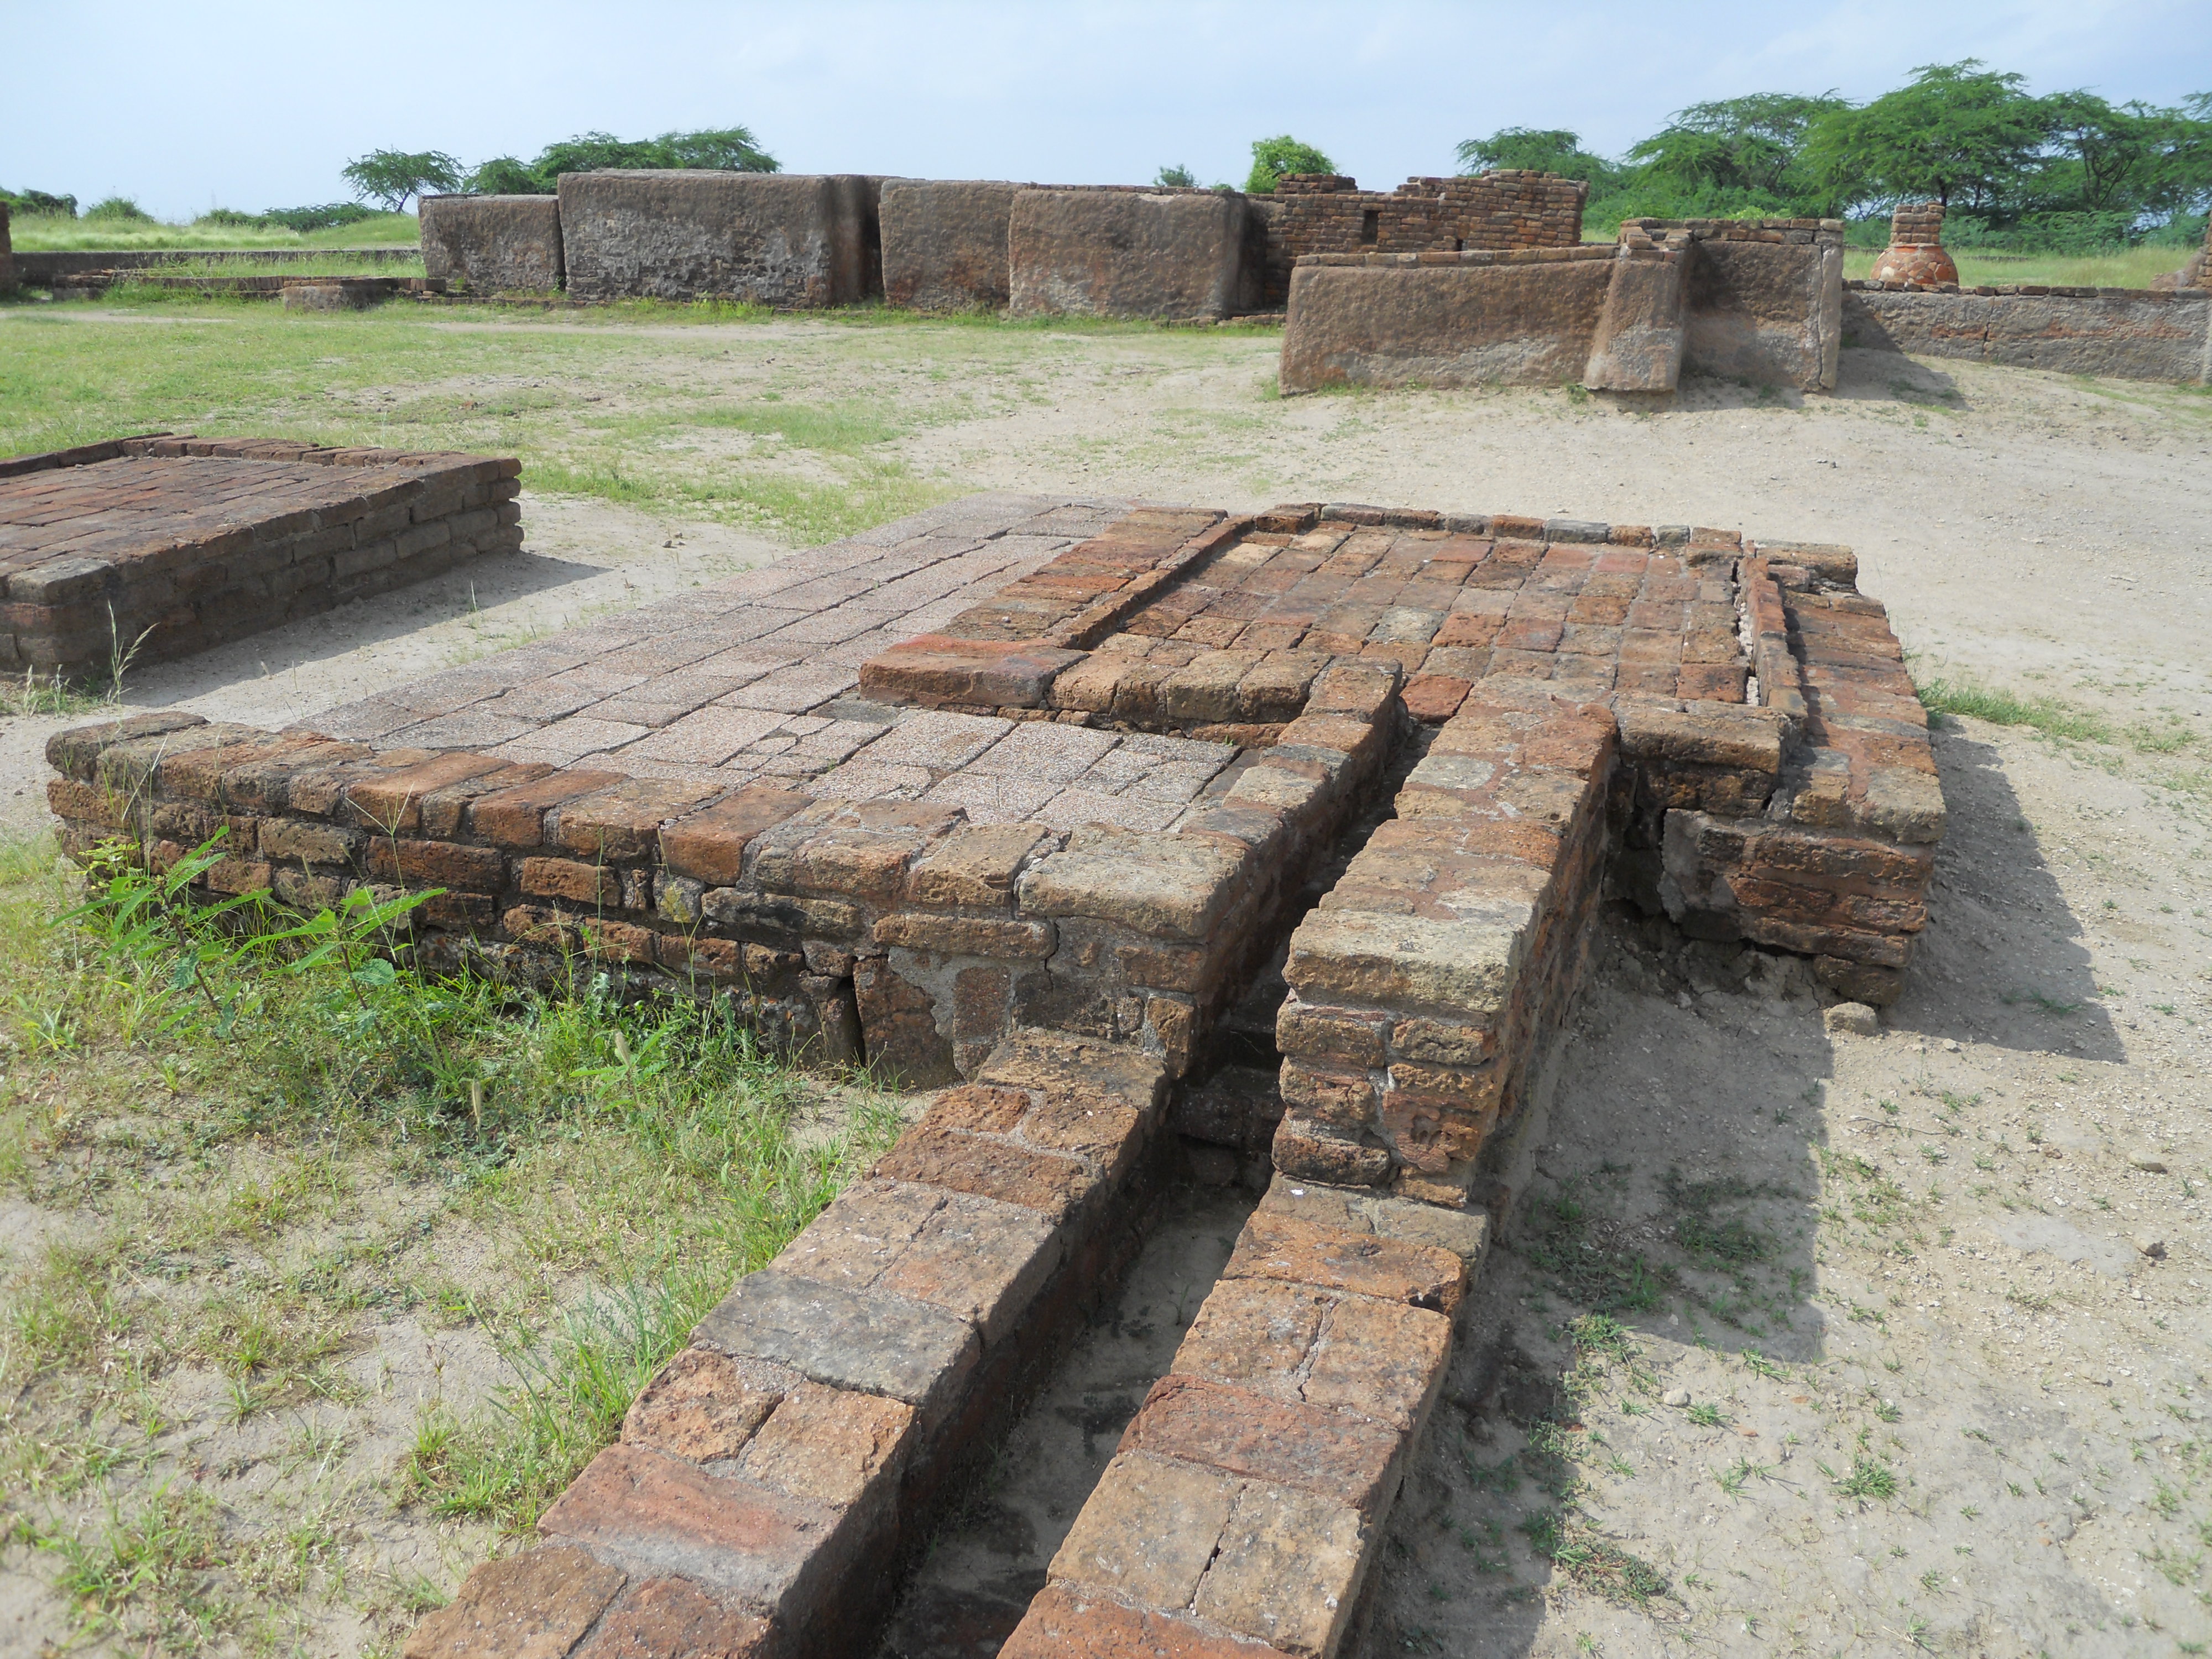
x: 624, y: 821
x: 1068, y: 1622
x: 1288, y: 1569
x: 437, y: 864
x: 831, y: 1446
x: 703, y: 1406
x: 1280, y: 1247
x: 516, y: 817
x: 671, y: 1619
x: 531, y: 1606
x: 866, y: 1340
x: 567, y: 879
x: 1350, y: 1460
x: 710, y: 845
x: 1147, y: 1531
x: 989, y: 1169
x: 966, y: 936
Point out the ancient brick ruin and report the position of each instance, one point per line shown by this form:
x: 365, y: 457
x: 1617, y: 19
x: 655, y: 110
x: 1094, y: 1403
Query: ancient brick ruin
x: 1915, y: 253
x: 165, y: 545
x: 1025, y: 794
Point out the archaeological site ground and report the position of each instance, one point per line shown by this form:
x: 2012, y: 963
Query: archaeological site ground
x: 917, y: 919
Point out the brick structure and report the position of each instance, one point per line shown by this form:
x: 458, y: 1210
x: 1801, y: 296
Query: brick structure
x: 2132, y: 333
x: 1717, y: 727
x: 1915, y: 253
x: 493, y: 244
x: 191, y: 541
x: 944, y: 243
x: 1493, y: 212
x: 785, y: 240
x: 1755, y: 299
x: 1107, y: 251
x: 7, y: 255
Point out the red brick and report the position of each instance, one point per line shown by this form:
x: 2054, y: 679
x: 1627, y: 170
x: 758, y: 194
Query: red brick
x: 393, y: 802
x: 1068, y: 1624
x: 1296, y: 1252
x: 670, y: 1619
x: 1433, y: 699
x: 438, y: 864
x: 710, y: 845
x: 567, y: 878
x: 516, y: 817
x: 1340, y: 1456
x: 624, y: 822
x: 703, y: 1406
x: 533, y: 1605
x: 989, y: 1169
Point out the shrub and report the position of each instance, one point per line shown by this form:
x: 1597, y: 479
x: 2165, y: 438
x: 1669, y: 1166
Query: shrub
x: 38, y: 201
x: 1177, y: 177
x: 1273, y: 157
x: 119, y: 209
x: 730, y: 149
x: 318, y: 218
x: 231, y: 218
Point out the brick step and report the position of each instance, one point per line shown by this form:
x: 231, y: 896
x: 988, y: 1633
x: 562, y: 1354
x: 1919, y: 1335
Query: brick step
x: 773, y: 1476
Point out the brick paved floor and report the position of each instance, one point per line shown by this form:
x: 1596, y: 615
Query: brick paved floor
x: 753, y: 679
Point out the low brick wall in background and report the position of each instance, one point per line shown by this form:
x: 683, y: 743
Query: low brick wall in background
x: 785, y: 240
x: 1758, y: 301
x: 1112, y: 251
x: 944, y: 243
x: 2137, y: 334
x: 493, y: 244
x: 192, y: 541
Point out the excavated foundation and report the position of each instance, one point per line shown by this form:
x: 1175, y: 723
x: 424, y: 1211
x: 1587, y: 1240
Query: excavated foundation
x: 1265, y: 847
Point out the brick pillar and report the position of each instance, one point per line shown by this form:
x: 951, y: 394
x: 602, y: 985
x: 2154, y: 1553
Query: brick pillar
x: 1915, y: 253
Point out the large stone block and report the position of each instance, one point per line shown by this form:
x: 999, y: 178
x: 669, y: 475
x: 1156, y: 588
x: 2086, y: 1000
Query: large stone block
x: 772, y: 239
x: 1767, y: 312
x: 1173, y: 254
x: 1443, y: 325
x: 493, y: 244
x: 2154, y: 336
x: 944, y: 242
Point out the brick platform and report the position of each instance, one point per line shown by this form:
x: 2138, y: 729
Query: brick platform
x: 192, y: 541
x: 1027, y: 793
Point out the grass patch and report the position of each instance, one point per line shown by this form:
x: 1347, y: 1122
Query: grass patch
x: 260, y: 1134
x: 1591, y: 1562
x: 2045, y: 714
x: 33, y: 233
x: 2121, y: 268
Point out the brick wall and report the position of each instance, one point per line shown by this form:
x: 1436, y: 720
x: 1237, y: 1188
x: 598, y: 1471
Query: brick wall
x: 7, y: 254
x: 191, y: 541
x: 1329, y: 213
x: 2132, y: 333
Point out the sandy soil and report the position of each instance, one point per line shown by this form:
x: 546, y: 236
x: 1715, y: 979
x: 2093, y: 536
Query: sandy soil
x: 1952, y: 1289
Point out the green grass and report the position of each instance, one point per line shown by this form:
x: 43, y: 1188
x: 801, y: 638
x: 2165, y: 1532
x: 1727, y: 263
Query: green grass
x: 50, y: 233
x: 2130, y: 268
x: 257, y: 1138
x: 338, y: 263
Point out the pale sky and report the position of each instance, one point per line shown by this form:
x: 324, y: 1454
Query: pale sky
x: 184, y: 104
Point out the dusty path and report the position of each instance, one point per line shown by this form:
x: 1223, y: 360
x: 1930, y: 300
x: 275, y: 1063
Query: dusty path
x: 1951, y: 1291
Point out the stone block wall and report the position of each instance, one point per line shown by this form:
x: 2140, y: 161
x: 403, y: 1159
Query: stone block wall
x: 1755, y: 300
x: 785, y: 240
x: 1115, y: 252
x: 2137, y: 334
x: 946, y: 243
x: 493, y: 244
x: 191, y: 541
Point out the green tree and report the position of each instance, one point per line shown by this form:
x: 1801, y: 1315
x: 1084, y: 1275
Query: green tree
x: 505, y: 176
x: 2133, y: 159
x: 1177, y: 177
x: 38, y: 201
x: 730, y: 149
x: 1273, y: 157
x: 1753, y: 145
x: 392, y: 176
x: 1539, y: 149
x: 1957, y: 133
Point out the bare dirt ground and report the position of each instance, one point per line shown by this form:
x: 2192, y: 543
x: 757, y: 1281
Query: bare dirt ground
x: 1928, y: 1385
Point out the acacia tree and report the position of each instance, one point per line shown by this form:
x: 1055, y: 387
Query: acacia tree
x: 1754, y: 145
x: 1957, y: 133
x: 1273, y: 157
x: 728, y: 149
x: 392, y: 176
x: 1538, y: 150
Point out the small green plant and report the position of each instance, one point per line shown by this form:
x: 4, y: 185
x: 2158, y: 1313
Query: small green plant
x: 1705, y: 1414
x: 1869, y: 1477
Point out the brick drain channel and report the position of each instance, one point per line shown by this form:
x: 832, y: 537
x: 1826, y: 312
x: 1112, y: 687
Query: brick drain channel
x: 986, y: 1562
